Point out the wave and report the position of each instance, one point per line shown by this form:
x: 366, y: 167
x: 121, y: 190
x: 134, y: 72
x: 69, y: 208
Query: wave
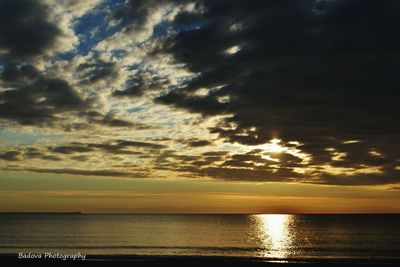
x: 205, y: 248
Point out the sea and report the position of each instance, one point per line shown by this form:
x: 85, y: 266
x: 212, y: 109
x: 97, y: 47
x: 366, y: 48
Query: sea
x: 265, y: 236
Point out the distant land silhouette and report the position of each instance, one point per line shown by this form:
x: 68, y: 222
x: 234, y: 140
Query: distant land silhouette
x: 39, y: 212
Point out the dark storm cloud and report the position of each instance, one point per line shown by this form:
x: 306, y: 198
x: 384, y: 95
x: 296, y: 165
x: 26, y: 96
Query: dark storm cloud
x: 208, y: 104
x: 83, y: 152
x: 113, y: 147
x: 14, y: 73
x: 33, y: 99
x: 27, y: 153
x: 90, y: 73
x: 135, y: 13
x: 194, y: 142
x: 250, y: 166
x: 241, y: 174
x: 360, y: 179
x: 126, y: 143
x: 28, y: 96
x: 140, y: 83
x: 317, y: 72
x: 113, y: 122
x: 24, y: 30
x: 10, y: 155
x: 80, y: 158
x: 32, y: 152
x: 110, y: 120
x: 113, y: 173
x: 71, y: 149
x: 132, y: 89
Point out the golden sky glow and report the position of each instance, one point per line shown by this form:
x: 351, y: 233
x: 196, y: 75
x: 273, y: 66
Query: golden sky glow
x: 47, y: 192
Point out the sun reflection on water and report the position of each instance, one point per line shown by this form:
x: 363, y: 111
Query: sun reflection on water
x: 273, y: 231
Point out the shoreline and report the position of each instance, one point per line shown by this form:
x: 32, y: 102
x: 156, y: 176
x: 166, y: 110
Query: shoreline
x: 11, y: 259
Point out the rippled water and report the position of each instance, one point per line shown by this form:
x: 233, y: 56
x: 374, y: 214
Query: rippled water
x: 268, y: 236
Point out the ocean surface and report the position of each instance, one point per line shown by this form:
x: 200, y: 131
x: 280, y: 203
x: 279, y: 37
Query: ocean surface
x: 262, y: 236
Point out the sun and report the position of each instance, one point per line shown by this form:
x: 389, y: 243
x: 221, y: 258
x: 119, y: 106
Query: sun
x: 273, y: 146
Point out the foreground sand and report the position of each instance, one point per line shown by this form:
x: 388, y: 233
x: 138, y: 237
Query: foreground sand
x: 166, y: 261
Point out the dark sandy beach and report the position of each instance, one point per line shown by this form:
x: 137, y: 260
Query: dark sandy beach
x: 128, y: 260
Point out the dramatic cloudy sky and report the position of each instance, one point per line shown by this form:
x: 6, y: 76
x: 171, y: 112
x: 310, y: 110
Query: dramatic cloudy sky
x: 200, y: 106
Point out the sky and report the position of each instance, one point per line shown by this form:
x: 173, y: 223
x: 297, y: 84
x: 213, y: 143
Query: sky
x: 203, y: 106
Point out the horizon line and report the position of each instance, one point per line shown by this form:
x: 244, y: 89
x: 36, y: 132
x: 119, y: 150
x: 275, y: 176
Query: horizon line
x: 196, y: 213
